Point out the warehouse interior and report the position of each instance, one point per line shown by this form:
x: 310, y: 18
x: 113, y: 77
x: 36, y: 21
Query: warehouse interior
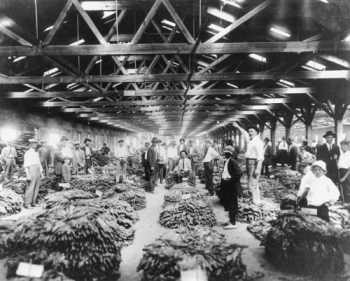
x: 140, y: 70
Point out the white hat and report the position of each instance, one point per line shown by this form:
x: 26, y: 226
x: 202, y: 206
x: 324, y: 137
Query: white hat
x: 76, y: 143
x: 320, y: 164
x: 33, y: 140
x: 209, y: 140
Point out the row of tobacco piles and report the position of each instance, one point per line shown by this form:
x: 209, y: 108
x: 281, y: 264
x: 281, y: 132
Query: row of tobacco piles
x: 80, y: 232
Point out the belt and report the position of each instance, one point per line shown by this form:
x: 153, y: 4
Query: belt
x: 344, y: 169
x: 251, y: 159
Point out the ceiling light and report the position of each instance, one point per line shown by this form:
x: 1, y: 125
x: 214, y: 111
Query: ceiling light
x: 107, y: 14
x: 280, y: 32
x: 19, y: 58
x: 287, y: 82
x: 81, y: 41
x: 28, y: 91
x: 216, y: 27
x: 98, y: 61
x: 220, y: 14
x: 97, y: 99
x: 315, y: 65
x: 115, y: 85
x: 347, y: 38
x: 169, y: 28
x: 257, y: 57
x: 232, y: 3
x: 168, y: 22
x: 217, y: 98
x: 234, y: 86
x: 51, y: 71
x: 217, y: 122
x: 308, y: 68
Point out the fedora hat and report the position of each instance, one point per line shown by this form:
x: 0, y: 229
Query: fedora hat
x: 329, y: 133
x: 254, y: 128
x: 87, y: 139
x: 266, y: 139
x: 229, y: 149
x: 320, y: 164
x: 156, y: 140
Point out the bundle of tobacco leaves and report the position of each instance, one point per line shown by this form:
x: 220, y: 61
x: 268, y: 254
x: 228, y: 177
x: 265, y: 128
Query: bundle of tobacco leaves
x: 288, y: 178
x: 182, y: 192
x: 49, y: 182
x: 171, y: 179
x: 259, y: 228
x: 82, y: 240
x: 10, y: 202
x: 305, y: 245
x: 271, y: 188
x: 98, y: 159
x: 16, y: 185
x: 187, y: 213
x: 288, y: 202
x: 65, y: 197
x: 339, y: 216
x: 143, y: 184
x: 190, y: 249
x: 249, y: 212
x: 92, y: 183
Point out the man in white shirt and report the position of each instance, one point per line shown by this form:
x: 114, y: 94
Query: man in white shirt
x: 172, y: 156
x: 282, y: 151
x: 181, y: 147
x: 208, y: 162
x: 344, y: 170
x: 67, y: 150
x: 254, y: 158
x: 9, y: 154
x: 34, y: 173
x: 306, y: 181
x: 144, y: 159
x: 88, y: 152
x: 121, y: 153
x: 163, y: 160
x: 192, y: 154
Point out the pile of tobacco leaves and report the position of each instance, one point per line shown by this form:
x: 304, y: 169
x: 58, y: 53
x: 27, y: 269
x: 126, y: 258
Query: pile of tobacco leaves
x: 65, y: 197
x: 171, y: 179
x: 305, y: 245
x: 10, y: 202
x: 98, y: 159
x: 190, y: 249
x: 259, y: 228
x: 82, y: 240
x: 249, y: 212
x: 180, y: 191
x: 91, y: 183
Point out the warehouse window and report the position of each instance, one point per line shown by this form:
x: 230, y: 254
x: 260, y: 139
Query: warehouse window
x: 8, y: 134
x: 54, y: 139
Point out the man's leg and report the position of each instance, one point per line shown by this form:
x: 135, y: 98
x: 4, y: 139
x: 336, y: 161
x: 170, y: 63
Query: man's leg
x: 208, y: 178
x: 161, y: 171
x: 252, y: 181
x: 9, y: 168
x: 36, y: 185
x: 171, y: 164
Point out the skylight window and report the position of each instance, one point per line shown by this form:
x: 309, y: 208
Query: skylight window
x: 98, y: 61
x: 107, y: 14
x: 315, y: 65
x: 216, y: 27
x: 347, y: 38
x: 233, y: 3
x: 19, y: 58
x: 280, y: 32
x: 233, y: 86
x: 308, y: 68
x: 217, y: 98
x: 81, y: 41
x: 168, y: 22
x: 287, y: 82
x: 257, y: 57
x: 169, y: 28
x: 220, y: 14
x: 51, y: 71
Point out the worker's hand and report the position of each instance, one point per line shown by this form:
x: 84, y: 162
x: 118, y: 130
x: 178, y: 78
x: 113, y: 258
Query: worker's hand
x: 42, y: 177
x: 256, y: 173
x: 29, y: 178
x: 335, y: 156
x: 342, y: 179
x: 152, y: 168
x: 234, y: 124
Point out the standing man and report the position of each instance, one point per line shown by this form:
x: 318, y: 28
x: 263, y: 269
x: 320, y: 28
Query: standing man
x: 307, y: 147
x: 121, y: 153
x: 88, y: 152
x: 193, y: 154
x: 254, y: 158
x: 329, y: 153
x: 210, y: 156
x: 152, y: 162
x: 267, y: 157
x: 105, y: 149
x: 181, y: 147
x: 144, y: 158
x: 58, y: 161
x: 292, y: 154
x: 163, y: 160
x: 43, y: 154
x: 282, y: 152
x: 34, y: 173
x: 344, y: 170
x: 172, y: 156
x: 66, y: 151
x: 9, y: 154
x: 78, y: 160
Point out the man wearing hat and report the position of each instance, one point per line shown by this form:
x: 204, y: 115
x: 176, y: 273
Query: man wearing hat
x: 282, y: 152
x: 230, y: 187
x: 163, y: 160
x: 88, y: 152
x: 292, y: 154
x: 208, y: 162
x: 144, y: 157
x: 121, y: 153
x: 8, y: 155
x: 193, y: 154
x: 254, y: 157
x: 152, y: 162
x: 34, y: 173
x: 344, y: 170
x: 307, y: 147
x: 66, y: 151
x: 322, y: 191
x: 306, y: 180
x: 172, y: 156
x: 44, y: 155
x: 329, y: 153
x: 66, y: 172
x: 267, y: 157
x: 105, y: 149
x: 181, y: 147
x: 78, y: 160
x: 58, y: 161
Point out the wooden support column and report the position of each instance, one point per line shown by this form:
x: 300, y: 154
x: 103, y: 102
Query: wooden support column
x: 261, y: 128
x: 308, y: 113
x: 340, y: 107
x: 288, y: 119
x: 273, y: 123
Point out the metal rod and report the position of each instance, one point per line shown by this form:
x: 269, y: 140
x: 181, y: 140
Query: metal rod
x: 36, y: 19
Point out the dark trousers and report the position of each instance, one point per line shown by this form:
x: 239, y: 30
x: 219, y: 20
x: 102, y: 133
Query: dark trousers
x: 232, y: 217
x: 88, y: 164
x: 146, y: 174
x: 345, y: 185
x: 282, y: 157
x: 208, y: 177
x: 161, y: 172
x: 45, y: 168
x: 322, y: 211
x: 265, y: 167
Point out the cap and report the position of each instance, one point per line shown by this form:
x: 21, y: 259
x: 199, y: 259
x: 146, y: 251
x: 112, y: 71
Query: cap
x: 156, y: 140
x: 121, y: 141
x: 209, y: 140
x: 266, y: 139
x: 229, y: 149
x: 182, y: 140
x: 76, y: 143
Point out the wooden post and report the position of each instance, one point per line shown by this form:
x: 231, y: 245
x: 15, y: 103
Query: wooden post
x: 261, y: 128
x: 308, y: 112
x: 288, y: 119
x: 273, y: 123
x: 340, y: 107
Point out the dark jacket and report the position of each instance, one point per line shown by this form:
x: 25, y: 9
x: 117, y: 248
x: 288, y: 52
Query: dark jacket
x: 267, y: 154
x: 84, y: 149
x: 105, y: 150
x: 58, y: 162
x: 152, y: 157
x: 327, y: 156
x: 309, y: 149
x: 236, y: 173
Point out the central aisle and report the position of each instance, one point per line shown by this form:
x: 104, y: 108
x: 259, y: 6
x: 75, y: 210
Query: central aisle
x: 148, y: 229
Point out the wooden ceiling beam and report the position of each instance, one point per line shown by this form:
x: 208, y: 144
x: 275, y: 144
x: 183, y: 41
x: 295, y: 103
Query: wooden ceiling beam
x: 176, y: 48
x: 328, y: 74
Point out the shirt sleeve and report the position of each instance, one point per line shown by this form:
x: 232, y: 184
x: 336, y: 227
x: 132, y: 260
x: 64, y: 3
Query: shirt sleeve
x: 246, y: 136
x: 214, y: 153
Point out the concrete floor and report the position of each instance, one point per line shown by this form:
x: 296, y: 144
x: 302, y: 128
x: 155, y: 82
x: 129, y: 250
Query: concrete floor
x: 148, y: 229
